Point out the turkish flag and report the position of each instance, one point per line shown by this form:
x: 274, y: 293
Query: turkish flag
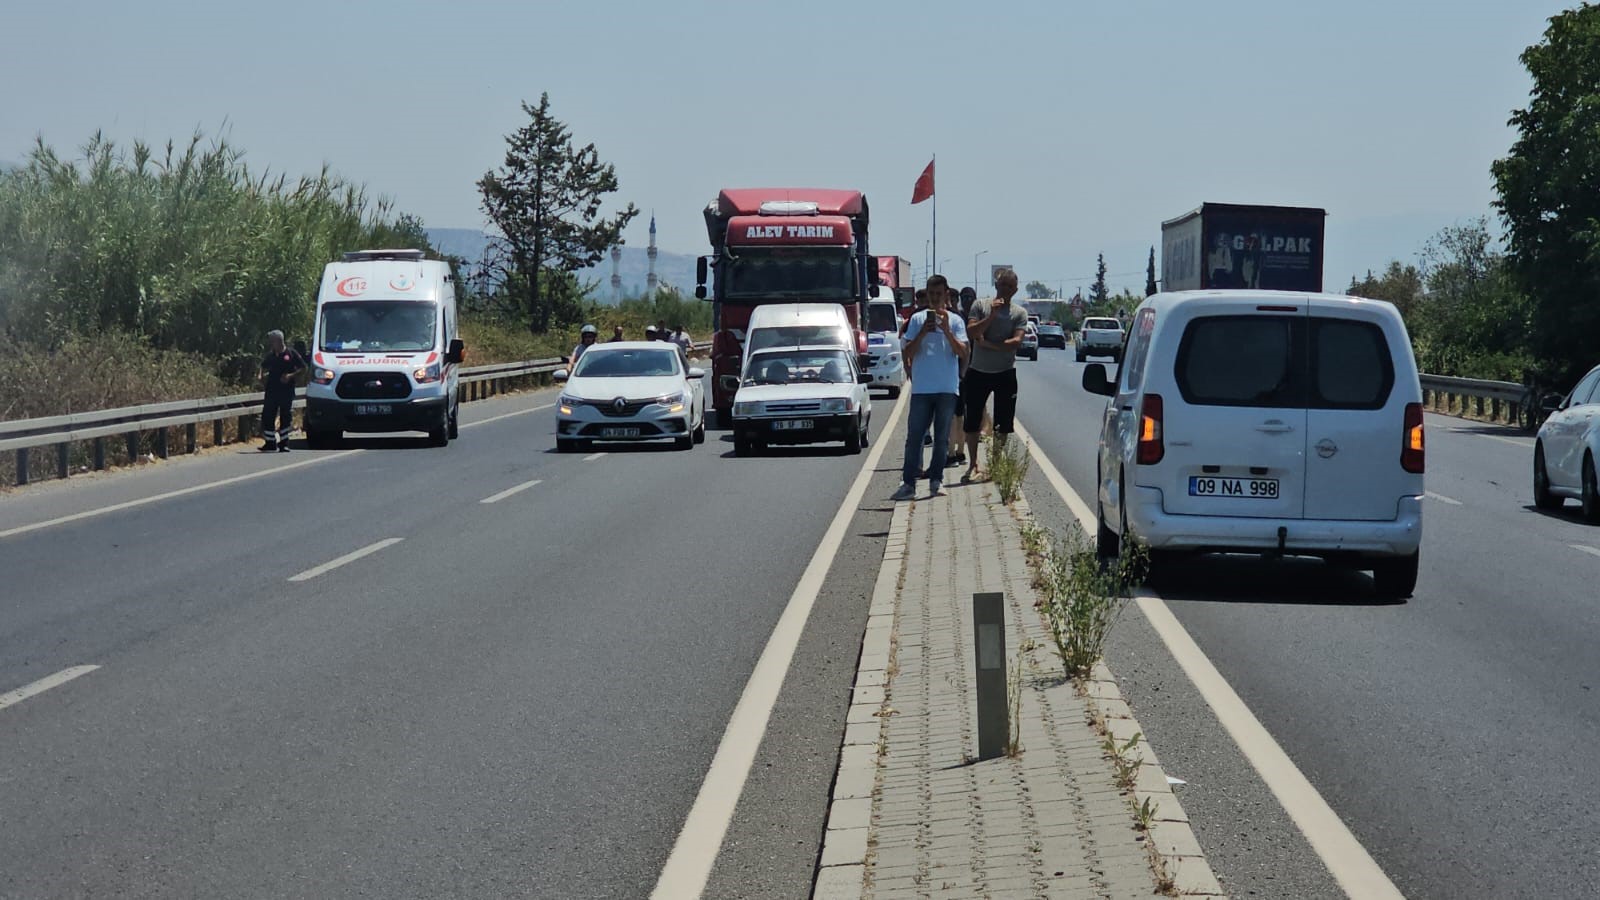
x: 924, y: 186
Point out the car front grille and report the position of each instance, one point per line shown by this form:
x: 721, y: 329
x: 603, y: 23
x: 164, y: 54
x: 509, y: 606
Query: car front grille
x: 628, y: 408
x: 794, y: 407
x: 373, y: 386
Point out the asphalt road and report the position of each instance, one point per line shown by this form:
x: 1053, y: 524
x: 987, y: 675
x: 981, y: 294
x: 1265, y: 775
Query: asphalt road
x: 1453, y: 733
x: 508, y: 698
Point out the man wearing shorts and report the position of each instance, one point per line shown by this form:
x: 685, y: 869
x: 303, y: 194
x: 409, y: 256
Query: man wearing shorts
x: 995, y: 327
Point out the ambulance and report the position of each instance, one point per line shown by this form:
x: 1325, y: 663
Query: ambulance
x: 385, y: 351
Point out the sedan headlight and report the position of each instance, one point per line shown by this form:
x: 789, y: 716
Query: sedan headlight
x: 673, y: 402
x: 747, y: 408
x: 566, y: 404
x: 838, y: 406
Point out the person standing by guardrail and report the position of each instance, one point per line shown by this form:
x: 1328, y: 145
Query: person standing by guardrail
x: 278, y: 370
x: 936, y: 341
x: 996, y: 326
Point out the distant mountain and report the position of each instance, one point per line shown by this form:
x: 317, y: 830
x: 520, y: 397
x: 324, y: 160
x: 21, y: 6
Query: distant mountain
x: 674, y: 269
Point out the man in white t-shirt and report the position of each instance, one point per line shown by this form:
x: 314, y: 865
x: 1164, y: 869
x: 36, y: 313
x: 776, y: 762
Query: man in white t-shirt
x: 935, y: 346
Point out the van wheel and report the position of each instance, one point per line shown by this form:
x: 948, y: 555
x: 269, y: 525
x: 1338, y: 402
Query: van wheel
x: 1396, y: 577
x: 320, y: 440
x: 454, y: 428
x: 1591, y: 493
x: 1106, y: 543
x: 1542, y: 498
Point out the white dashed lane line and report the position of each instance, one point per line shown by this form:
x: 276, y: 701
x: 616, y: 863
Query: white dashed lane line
x: 496, y: 498
x: 1441, y: 498
x: 1585, y: 548
x: 11, y: 698
x: 592, y: 457
x: 345, y: 560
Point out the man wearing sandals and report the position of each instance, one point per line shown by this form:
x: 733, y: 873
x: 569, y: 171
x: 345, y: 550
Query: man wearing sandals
x: 996, y: 326
x: 935, y: 345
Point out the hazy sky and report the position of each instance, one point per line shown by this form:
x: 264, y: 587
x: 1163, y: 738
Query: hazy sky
x: 1062, y: 128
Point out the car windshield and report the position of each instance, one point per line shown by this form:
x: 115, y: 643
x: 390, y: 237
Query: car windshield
x: 882, y: 317
x: 600, y: 362
x: 798, y: 367
x: 1103, y: 323
x: 800, y: 336
x: 370, y: 325
x: 791, y: 273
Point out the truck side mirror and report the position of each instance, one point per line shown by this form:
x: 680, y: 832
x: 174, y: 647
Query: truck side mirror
x: 456, y: 353
x: 700, y: 271
x: 699, y: 292
x: 874, y: 278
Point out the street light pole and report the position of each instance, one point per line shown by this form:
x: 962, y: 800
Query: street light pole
x: 975, y: 268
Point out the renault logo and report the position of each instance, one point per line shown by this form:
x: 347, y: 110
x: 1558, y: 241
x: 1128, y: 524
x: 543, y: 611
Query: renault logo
x: 619, y: 404
x: 1326, y: 448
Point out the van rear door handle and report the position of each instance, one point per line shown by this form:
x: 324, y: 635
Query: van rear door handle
x: 1274, y: 426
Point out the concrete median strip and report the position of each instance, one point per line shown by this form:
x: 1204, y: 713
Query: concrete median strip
x: 11, y: 698
x: 1347, y: 860
x: 345, y: 560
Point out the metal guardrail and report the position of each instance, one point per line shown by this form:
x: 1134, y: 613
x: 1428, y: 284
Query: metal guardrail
x: 1497, y: 401
x: 131, y: 423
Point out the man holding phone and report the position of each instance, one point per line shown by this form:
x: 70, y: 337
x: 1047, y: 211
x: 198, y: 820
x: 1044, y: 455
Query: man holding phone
x: 996, y: 326
x: 935, y: 346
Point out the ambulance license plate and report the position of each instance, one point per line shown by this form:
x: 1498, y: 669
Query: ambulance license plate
x: 374, y: 409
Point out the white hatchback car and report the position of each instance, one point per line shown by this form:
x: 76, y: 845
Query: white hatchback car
x: 801, y: 395
x: 1569, y: 443
x: 631, y: 391
x: 1266, y: 422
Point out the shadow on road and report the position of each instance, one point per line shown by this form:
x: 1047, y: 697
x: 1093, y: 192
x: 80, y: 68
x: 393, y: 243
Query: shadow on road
x: 1226, y: 578
x: 1570, y: 512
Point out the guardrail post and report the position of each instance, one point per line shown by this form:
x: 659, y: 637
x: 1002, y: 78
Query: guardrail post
x: 63, y: 460
x: 1479, y: 404
x: 161, y: 443
x: 99, y: 454
x: 1494, y: 409
x: 244, y: 428
x: 191, y: 438
x: 216, y: 432
x: 22, y: 466
x: 133, y: 447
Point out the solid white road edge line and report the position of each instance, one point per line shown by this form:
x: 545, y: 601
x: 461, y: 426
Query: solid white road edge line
x: 1585, y: 548
x: 1350, y: 864
x: 194, y: 489
x: 11, y: 698
x: 1441, y: 498
x: 1526, y: 445
x: 496, y: 498
x: 699, y: 842
x: 345, y: 560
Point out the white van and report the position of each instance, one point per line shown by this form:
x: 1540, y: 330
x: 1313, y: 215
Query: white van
x: 798, y: 325
x: 1265, y: 422
x: 385, y: 350
x: 884, y: 361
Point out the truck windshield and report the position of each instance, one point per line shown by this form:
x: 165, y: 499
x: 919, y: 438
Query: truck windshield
x: 377, y: 325
x: 798, y: 367
x: 788, y: 273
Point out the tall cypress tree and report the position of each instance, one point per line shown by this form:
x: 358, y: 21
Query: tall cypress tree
x: 1150, y: 274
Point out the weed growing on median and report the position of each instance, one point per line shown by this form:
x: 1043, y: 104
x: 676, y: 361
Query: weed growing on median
x: 1127, y: 766
x: 1084, y: 596
x: 1014, y: 702
x: 1145, y: 813
x: 1008, y: 465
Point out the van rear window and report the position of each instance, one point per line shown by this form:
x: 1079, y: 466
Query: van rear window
x: 1284, y: 362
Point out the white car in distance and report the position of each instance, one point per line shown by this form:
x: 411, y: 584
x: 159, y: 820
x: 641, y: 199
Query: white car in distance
x: 800, y: 395
x: 1564, y: 457
x: 630, y: 391
x: 884, y: 360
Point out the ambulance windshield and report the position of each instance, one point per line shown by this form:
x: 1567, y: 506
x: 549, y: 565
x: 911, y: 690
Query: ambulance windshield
x: 378, y: 326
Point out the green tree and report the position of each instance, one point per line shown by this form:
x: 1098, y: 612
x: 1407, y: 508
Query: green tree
x: 1470, y: 319
x: 1399, y: 284
x: 1547, y: 191
x: 1098, y: 292
x: 545, y: 201
x: 1150, y: 274
x: 1038, y: 290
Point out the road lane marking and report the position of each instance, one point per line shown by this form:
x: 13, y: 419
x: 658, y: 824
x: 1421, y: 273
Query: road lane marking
x: 496, y: 498
x: 1592, y: 551
x: 181, y: 492
x: 345, y: 560
x: 592, y: 457
x: 520, y: 412
x: 1350, y: 864
x: 1441, y: 498
x: 1526, y: 445
x: 695, y: 851
x: 194, y: 489
x: 11, y: 698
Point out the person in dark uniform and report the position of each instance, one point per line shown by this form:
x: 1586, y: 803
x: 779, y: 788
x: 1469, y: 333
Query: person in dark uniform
x: 278, y: 370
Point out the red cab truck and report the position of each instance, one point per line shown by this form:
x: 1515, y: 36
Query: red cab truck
x: 894, y: 275
x: 781, y: 245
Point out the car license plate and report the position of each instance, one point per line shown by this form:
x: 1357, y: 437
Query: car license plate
x: 619, y: 432
x: 1246, y: 488
x: 792, y: 425
x: 374, y: 409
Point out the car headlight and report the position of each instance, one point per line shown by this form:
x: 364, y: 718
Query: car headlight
x: 837, y: 406
x: 566, y: 404
x: 747, y: 408
x: 426, y: 374
x: 322, y: 376
x: 673, y: 402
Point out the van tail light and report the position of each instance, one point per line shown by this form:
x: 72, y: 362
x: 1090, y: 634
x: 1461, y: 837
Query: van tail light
x: 1412, y: 455
x: 1151, y: 446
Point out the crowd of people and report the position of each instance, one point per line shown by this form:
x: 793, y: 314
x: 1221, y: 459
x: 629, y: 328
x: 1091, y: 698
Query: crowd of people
x: 589, y: 334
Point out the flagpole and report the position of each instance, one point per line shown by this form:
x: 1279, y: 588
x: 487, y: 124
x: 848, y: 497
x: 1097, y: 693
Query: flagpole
x: 935, y: 165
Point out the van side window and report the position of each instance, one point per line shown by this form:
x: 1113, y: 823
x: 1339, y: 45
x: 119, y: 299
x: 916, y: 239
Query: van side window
x: 1138, y: 350
x: 1242, y: 361
x: 1350, y: 365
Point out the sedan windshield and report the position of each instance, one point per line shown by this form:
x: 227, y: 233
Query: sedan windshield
x: 377, y: 325
x: 791, y: 273
x: 798, y: 367
x: 599, y: 362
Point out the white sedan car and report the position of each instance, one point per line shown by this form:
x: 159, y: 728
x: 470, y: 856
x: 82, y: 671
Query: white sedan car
x: 631, y: 391
x: 801, y: 395
x: 1564, y: 457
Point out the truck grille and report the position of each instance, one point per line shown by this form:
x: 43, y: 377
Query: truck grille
x: 373, y: 386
